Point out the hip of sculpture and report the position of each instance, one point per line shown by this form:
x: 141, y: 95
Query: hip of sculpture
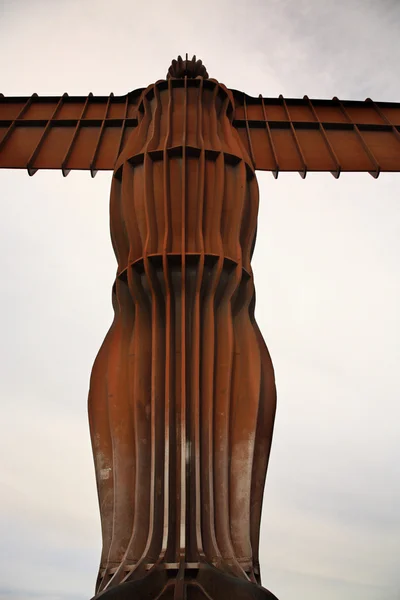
x: 182, y: 396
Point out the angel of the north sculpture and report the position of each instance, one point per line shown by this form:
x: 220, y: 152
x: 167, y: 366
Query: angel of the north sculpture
x: 182, y: 394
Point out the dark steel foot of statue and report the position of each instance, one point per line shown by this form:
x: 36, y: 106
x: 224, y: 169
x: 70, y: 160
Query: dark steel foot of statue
x: 204, y: 583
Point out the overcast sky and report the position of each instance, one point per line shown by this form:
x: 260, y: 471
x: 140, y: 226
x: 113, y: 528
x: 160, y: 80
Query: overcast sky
x: 328, y: 294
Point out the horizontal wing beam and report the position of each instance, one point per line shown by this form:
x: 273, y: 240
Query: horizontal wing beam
x: 88, y: 132
x: 319, y: 135
x: 65, y: 132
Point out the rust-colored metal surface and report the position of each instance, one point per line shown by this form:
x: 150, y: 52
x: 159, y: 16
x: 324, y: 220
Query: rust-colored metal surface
x: 279, y: 134
x: 65, y: 132
x: 319, y: 135
x: 182, y: 395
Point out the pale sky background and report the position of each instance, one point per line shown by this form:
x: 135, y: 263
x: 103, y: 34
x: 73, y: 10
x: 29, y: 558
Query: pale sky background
x: 328, y: 294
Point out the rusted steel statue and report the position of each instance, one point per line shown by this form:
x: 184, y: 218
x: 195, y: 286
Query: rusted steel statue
x: 182, y: 394
x: 182, y: 398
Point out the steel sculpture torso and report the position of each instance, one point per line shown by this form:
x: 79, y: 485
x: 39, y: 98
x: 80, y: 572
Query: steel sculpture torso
x: 182, y: 397
x: 182, y: 394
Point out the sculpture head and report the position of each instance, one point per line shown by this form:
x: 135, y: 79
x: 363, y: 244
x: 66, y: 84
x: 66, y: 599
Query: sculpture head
x: 187, y: 68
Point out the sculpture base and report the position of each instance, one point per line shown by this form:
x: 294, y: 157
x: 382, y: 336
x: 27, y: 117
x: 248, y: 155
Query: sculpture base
x: 203, y: 583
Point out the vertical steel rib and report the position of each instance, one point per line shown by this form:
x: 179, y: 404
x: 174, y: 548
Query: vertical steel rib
x: 150, y: 244
x: 169, y: 437
x: 196, y: 348
x: 121, y: 139
x: 64, y: 162
x: 252, y: 156
x: 182, y: 477
x: 122, y: 524
x: 209, y: 350
x: 336, y: 173
x: 364, y: 144
x: 92, y: 162
x: 12, y: 125
x: 222, y: 381
x: 303, y: 173
x: 33, y: 156
x: 275, y: 172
